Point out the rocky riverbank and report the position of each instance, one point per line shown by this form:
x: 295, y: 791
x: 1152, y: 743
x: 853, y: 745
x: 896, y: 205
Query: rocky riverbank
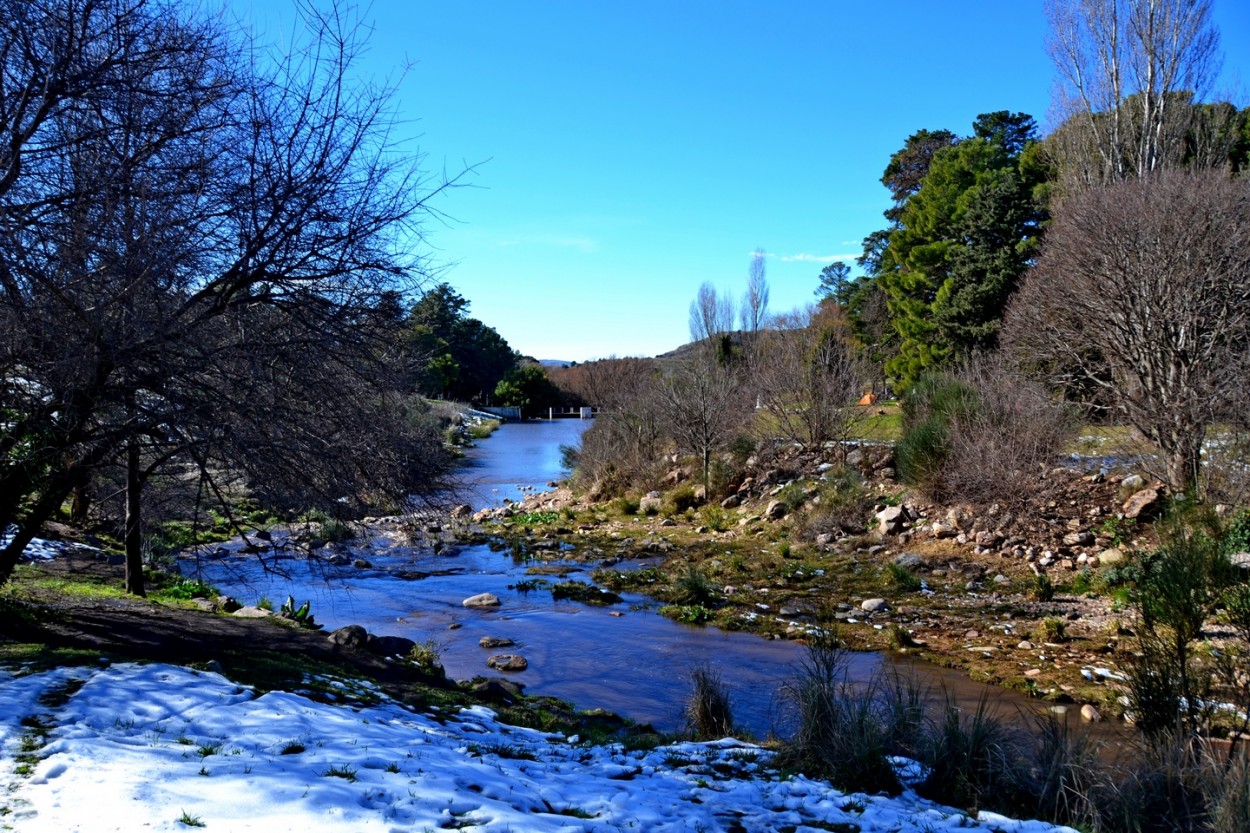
x: 1020, y: 596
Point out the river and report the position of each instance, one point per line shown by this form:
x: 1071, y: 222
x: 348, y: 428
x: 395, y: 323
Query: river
x: 625, y: 658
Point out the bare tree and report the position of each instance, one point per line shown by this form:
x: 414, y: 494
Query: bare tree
x: 622, y: 448
x: 711, y: 315
x: 182, y: 227
x: 807, y: 377
x: 754, y: 311
x: 1141, y: 303
x: 705, y: 405
x: 1128, y: 73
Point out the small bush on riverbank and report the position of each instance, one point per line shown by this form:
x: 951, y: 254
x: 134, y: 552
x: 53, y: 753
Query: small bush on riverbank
x: 975, y: 760
x: 709, y: 713
x: 841, y: 732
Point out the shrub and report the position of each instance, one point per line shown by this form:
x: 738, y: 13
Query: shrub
x: 998, y: 447
x: 902, y: 579
x: 709, y: 714
x: 932, y: 403
x: 1178, y: 587
x: 692, y: 587
x: 681, y: 499
x: 1051, y: 629
x: 628, y: 505
x: 975, y: 760
x: 982, y: 435
x: 841, y: 732
x: 715, y: 518
x: 844, y: 505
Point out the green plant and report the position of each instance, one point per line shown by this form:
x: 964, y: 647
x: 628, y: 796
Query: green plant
x: 931, y: 405
x: 345, y: 772
x: 709, y: 714
x: 902, y: 579
x: 1043, y: 588
x: 1119, y: 530
x: 299, y: 615
x: 190, y: 820
x: 692, y: 587
x: 975, y: 760
x: 427, y: 655
x: 265, y: 603
x: 292, y: 747
x: 333, y: 530
x: 585, y: 593
x: 627, y: 505
x: 689, y: 614
x: 716, y: 518
x: 680, y: 499
x: 792, y: 496
x: 190, y: 588
x: 900, y: 639
x: 840, y: 730
x: 536, y: 518
x: 1051, y: 629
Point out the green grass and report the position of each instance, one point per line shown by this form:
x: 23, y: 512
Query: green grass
x: 876, y: 426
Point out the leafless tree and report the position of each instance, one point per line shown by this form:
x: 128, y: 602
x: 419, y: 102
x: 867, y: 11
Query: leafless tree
x: 1128, y: 72
x: 1141, y: 303
x: 711, y: 315
x: 754, y: 311
x: 1000, y: 450
x: 705, y: 404
x: 807, y: 378
x: 622, y: 448
x: 197, y: 239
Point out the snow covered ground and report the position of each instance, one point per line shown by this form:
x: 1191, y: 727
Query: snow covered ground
x: 156, y: 747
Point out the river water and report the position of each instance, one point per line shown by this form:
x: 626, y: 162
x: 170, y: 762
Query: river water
x: 625, y: 658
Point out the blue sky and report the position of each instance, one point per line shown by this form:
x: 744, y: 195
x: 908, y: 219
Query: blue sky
x: 626, y: 152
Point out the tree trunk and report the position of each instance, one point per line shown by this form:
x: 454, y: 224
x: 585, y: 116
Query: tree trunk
x: 134, y: 521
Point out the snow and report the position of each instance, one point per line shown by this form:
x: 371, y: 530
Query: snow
x: 40, y: 549
x: 164, y: 748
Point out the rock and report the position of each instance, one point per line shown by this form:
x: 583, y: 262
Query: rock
x: 776, y: 510
x: 941, y: 529
x: 227, y: 604
x: 495, y: 642
x: 890, y: 520
x: 1143, y: 505
x: 507, y: 662
x: 214, y: 666
x: 910, y: 561
x: 464, y: 510
x: 350, y: 636
x: 390, y: 646
x: 1133, y: 482
x: 874, y: 605
x: 855, y: 458
x: 986, y: 538
x: 650, y: 503
x: 1025, y: 645
x: 482, y: 600
x: 1240, y: 559
x: 252, y: 613
x: 1078, y: 539
x: 204, y: 604
x: 824, y: 539
x: 361, y: 564
x: 731, y: 502
x: 1001, y: 580
x: 1090, y: 714
x: 1111, y: 557
x: 497, y: 690
x: 1033, y: 672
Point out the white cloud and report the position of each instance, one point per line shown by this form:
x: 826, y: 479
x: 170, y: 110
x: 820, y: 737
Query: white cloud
x: 804, y: 257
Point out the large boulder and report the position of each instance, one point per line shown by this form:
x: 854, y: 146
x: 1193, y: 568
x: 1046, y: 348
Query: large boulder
x: 350, y: 636
x: 890, y: 520
x: 1143, y: 505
